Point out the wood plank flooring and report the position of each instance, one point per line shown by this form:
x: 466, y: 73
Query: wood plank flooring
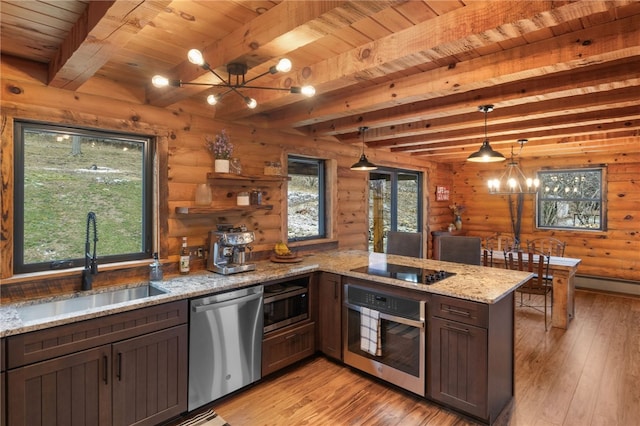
x: 587, y: 375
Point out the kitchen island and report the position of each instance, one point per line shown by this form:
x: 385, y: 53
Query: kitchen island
x: 473, y: 308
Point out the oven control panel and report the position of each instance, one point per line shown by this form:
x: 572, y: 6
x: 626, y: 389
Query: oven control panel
x: 382, y: 302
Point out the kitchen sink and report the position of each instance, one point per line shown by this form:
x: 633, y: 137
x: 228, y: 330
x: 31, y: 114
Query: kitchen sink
x: 66, y: 306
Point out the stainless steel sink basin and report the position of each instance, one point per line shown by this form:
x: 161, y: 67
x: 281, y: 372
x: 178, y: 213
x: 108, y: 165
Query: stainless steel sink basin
x: 59, y: 307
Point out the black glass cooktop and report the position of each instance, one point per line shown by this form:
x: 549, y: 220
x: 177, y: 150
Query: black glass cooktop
x: 405, y: 273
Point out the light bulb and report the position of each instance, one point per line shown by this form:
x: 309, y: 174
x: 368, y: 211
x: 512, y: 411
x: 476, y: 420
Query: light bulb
x: 212, y: 100
x: 251, y: 103
x: 195, y: 57
x: 160, y: 81
x: 308, y: 91
x: 284, y: 65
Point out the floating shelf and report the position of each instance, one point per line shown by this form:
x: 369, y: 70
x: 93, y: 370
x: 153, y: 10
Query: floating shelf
x: 231, y: 177
x: 220, y: 209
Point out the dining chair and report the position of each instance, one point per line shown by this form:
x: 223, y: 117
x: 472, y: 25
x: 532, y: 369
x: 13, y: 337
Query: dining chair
x: 499, y: 242
x: 487, y: 257
x: 404, y: 243
x: 550, y: 245
x: 460, y: 249
x: 538, y: 264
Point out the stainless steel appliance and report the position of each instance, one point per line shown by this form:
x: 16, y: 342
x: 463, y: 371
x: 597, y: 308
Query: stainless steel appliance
x: 227, y: 250
x: 225, y: 344
x: 286, y: 303
x: 405, y: 273
x: 401, y: 347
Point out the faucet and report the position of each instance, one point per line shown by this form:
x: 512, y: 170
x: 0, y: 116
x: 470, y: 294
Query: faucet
x: 90, y: 259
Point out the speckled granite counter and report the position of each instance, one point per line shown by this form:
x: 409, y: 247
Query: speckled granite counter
x: 486, y: 285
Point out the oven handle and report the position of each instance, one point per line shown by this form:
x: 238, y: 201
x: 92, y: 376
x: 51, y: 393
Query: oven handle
x: 406, y: 321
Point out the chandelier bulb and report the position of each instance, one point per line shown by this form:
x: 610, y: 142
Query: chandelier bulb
x: 212, y: 100
x: 251, y: 103
x: 195, y: 57
x: 284, y: 65
x: 308, y: 91
x: 160, y: 81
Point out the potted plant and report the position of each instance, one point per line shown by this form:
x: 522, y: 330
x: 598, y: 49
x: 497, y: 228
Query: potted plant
x: 457, y: 212
x: 222, y: 150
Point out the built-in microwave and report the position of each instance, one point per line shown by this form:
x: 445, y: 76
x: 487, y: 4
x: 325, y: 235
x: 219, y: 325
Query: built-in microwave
x: 285, y: 303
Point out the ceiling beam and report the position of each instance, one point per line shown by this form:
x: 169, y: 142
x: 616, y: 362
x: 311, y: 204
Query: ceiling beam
x: 102, y: 29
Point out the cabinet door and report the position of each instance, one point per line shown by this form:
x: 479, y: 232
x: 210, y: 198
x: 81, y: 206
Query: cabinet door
x: 288, y: 346
x: 458, y: 365
x: 329, y: 311
x: 150, y: 377
x: 70, y: 390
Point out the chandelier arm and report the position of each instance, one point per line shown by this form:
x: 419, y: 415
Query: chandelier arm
x: 255, y: 78
x: 231, y: 87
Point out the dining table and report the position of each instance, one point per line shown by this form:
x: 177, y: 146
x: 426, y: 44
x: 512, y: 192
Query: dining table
x: 563, y: 270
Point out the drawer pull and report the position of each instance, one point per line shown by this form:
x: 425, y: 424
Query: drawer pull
x: 458, y: 312
x: 461, y: 330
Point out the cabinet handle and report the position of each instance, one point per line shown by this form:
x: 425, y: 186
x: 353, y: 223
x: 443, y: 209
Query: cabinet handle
x: 119, y: 373
x: 105, y: 369
x: 335, y: 290
x: 457, y: 312
x: 461, y: 330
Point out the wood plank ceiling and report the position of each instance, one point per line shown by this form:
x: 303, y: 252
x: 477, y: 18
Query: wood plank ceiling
x: 563, y: 74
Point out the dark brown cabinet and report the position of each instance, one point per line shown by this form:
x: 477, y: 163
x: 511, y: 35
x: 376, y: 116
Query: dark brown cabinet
x: 330, y: 314
x: 470, y: 355
x: 3, y: 378
x: 286, y: 346
x: 123, y: 369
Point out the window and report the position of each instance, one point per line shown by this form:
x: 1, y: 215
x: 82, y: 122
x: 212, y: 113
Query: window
x: 571, y: 199
x: 394, y: 204
x: 306, y: 197
x: 62, y: 174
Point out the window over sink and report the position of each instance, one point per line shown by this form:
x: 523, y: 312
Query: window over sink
x: 63, y: 173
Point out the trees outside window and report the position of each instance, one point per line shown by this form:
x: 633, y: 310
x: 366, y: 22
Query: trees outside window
x: 306, y: 215
x: 572, y: 199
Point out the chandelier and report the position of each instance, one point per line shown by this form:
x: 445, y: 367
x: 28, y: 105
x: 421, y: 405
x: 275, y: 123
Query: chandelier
x: 513, y: 180
x: 363, y: 164
x: 485, y: 154
x: 235, y: 80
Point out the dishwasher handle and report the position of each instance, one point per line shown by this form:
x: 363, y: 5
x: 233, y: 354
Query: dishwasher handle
x: 217, y: 305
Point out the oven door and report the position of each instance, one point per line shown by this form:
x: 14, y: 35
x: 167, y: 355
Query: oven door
x: 402, y: 349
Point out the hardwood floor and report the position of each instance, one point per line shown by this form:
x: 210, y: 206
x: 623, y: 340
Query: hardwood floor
x: 587, y: 375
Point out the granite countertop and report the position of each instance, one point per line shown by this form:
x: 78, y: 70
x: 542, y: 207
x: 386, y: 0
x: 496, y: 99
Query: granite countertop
x: 474, y: 283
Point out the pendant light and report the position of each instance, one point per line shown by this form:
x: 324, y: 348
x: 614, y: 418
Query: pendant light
x: 486, y: 154
x: 513, y: 180
x: 363, y: 164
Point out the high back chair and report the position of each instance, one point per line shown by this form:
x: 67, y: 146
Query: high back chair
x: 499, y: 242
x: 404, y: 243
x: 550, y: 245
x: 460, y: 249
x: 538, y: 264
x: 487, y: 257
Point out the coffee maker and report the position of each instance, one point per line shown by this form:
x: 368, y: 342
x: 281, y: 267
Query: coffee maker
x: 228, y: 249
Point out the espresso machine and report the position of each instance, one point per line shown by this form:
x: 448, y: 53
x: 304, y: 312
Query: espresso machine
x: 228, y: 250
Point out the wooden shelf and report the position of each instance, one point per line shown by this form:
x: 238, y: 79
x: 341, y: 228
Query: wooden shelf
x: 220, y: 209
x: 231, y: 177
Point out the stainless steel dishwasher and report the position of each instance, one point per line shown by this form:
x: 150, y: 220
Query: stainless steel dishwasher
x: 225, y: 344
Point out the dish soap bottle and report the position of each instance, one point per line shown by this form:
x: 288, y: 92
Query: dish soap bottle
x: 155, y: 273
x: 184, y: 257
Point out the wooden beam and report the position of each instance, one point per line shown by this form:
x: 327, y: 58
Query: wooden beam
x: 101, y: 30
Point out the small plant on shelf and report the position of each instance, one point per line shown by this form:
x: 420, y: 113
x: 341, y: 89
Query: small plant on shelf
x: 220, y: 146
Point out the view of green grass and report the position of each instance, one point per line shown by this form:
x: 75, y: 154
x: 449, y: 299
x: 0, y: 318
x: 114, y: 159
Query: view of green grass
x: 62, y: 185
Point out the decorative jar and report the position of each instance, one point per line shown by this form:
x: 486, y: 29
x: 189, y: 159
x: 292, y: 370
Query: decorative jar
x: 221, y: 165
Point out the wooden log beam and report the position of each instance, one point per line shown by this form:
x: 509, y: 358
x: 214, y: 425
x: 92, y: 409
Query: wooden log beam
x: 484, y: 24
x: 615, y: 41
x: 103, y: 29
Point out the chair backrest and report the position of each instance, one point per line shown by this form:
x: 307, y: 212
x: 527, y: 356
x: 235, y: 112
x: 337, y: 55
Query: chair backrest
x: 499, y: 242
x: 487, y: 257
x: 535, y: 262
x: 549, y: 245
x: 404, y: 243
x: 460, y: 249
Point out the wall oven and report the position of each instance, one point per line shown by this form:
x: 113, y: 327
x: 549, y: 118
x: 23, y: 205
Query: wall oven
x: 286, y: 303
x: 384, y: 335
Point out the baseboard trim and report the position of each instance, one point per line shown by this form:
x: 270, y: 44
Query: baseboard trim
x: 608, y: 284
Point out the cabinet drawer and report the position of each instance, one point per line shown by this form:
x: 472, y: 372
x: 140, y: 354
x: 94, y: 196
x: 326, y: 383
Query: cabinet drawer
x: 53, y: 342
x: 287, y: 347
x: 464, y: 311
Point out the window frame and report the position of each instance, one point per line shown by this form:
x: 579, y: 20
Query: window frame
x: 322, y: 192
x: 148, y: 185
x: 602, y: 200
